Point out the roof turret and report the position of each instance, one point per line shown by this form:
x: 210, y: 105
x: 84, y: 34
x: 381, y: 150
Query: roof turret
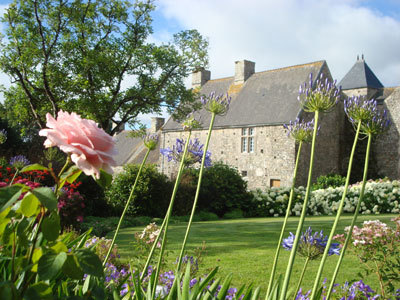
x: 360, y: 76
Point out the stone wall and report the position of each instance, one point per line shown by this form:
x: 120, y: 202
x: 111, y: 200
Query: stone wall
x: 386, y: 147
x: 273, y: 157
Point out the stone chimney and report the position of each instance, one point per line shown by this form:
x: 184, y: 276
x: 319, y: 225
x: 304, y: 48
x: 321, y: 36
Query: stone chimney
x: 156, y: 124
x: 199, y: 78
x: 243, y: 70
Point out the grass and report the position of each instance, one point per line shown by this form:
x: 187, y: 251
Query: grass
x: 245, y: 247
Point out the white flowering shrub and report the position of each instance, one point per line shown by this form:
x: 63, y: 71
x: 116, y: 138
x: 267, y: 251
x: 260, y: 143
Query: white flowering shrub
x: 379, y: 197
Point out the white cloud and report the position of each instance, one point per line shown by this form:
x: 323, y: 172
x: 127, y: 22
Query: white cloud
x: 287, y: 32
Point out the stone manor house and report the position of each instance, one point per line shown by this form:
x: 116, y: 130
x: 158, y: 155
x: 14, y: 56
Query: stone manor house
x: 251, y: 136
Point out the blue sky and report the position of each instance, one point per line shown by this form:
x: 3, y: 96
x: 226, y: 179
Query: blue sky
x: 277, y: 34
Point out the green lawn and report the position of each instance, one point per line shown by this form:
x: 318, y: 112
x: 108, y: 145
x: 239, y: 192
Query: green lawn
x: 246, y: 247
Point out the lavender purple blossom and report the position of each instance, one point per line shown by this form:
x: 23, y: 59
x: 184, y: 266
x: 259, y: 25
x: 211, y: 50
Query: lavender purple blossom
x: 372, y: 120
x: 321, y: 95
x: 357, y: 290
x: 19, y: 161
x: 311, y: 245
x: 300, y: 131
x: 217, y: 104
x: 194, y: 154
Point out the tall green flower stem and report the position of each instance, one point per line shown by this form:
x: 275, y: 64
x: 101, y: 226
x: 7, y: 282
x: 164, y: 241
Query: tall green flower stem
x: 289, y: 207
x: 196, y: 197
x: 169, y: 210
x: 126, y: 208
x: 339, y: 212
x: 348, y: 238
x: 168, y: 214
x: 301, y: 278
x: 303, y: 213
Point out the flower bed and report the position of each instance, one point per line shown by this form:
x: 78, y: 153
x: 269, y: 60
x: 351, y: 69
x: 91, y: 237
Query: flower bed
x: 380, y: 197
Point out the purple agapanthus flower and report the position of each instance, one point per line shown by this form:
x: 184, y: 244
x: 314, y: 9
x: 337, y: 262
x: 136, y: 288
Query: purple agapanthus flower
x: 321, y: 95
x: 218, y: 104
x: 359, y: 109
x: 194, y: 153
x: 311, y: 245
x: 300, y: 131
x: 19, y: 161
x: 150, y: 141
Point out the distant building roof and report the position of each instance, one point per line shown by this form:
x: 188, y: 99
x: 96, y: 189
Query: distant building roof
x: 360, y: 76
x: 132, y: 150
x: 265, y: 98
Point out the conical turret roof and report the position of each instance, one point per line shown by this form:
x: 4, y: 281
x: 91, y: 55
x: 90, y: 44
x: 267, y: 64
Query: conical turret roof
x: 360, y: 76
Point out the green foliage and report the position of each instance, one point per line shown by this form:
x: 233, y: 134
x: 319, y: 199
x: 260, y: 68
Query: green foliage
x: 101, y: 226
x: 222, y: 189
x: 234, y: 214
x: 151, y: 195
x: 330, y: 180
x: 74, y: 55
x: 37, y: 262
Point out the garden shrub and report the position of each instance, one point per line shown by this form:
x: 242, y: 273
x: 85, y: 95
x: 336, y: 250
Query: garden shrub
x: 151, y: 195
x: 223, y: 190
x: 330, y: 180
x: 380, y: 196
x: 234, y: 214
x: 101, y: 226
x: 205, y: 216
x: 95, y: 202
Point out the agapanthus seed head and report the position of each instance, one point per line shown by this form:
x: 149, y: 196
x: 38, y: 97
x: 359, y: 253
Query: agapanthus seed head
x: 321, y: 95
x: 217, y: 104
x: 359, y: 109
x: 19, y: 161
x: 194, y: 153
x: 3, y: 136
x: 151, y: 141
x: 300, y: 131
x: 311, y: 245
x: 190, y: 122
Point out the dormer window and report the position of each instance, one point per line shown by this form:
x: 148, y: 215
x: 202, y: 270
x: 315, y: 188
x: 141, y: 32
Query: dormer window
x: 247, y: 139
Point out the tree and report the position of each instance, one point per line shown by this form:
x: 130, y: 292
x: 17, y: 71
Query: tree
x: 74, y: 56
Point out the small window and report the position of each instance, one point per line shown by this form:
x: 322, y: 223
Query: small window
x: 244, y: 173
x: 248, y: 140
x: 275, y: 183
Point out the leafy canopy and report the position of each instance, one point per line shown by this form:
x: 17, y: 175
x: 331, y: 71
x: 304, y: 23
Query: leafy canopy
x: 75, y: 55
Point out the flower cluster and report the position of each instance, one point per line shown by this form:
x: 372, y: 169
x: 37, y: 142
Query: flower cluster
x: 3, y: 136
x: 380, y: 197
x: 101, y: 246
x: 149, y: 235
x: 150, y: 141
x: 194, y: 264
x: 89, y: 146
x: 300, y: 131
x: 311, y: 245
x: 371, y: 232
x: 357, y: 290
x: 321, y: 95
x: 190, y: 123
x: 19, y: 161
x: 377, y: 246
x: 70, y: 206
x: 194, y: 153
x: 217, y: 104
x: 358, y: 109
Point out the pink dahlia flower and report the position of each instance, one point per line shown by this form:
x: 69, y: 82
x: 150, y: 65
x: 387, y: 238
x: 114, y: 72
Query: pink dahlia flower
x: 90, y: 147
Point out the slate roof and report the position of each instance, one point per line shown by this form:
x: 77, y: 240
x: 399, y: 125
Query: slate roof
x: 360, y: 76
x: 132, y: 150
x: 266, y: 98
